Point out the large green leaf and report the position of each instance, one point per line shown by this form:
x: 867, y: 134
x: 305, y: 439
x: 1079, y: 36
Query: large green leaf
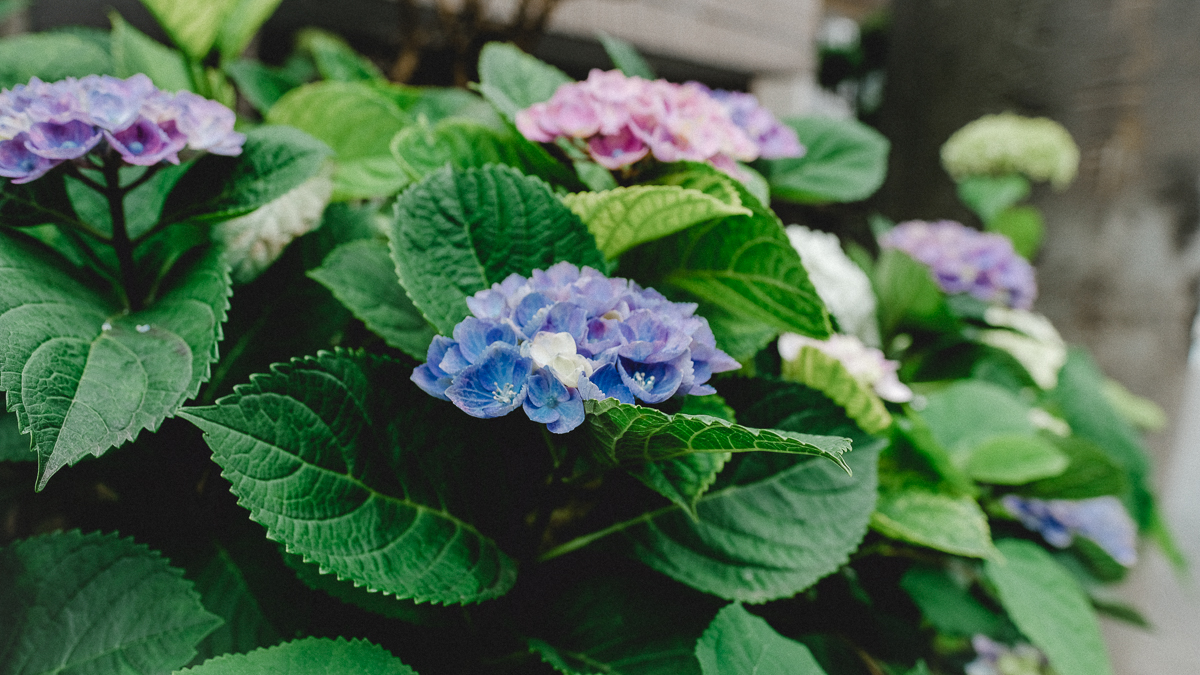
x: 1080, y: 396
x: 1015, y: 460
x: 1049, y: 607
x: 908, y: 295
x: 51, y: 57
x: 989, y: 195
x: 14, y: 446
x: 953, y: 524
x: 777, y: 527
x: 736, y: 335
x: 946, y: 602
x: 335, y: 59
x: 359, y: 596
x: 457, y: 233
x: 332, y: 454
x: 192, y: 26
x: 620, y: 620
x: 135, y: 52
x: 967, y: 414
x: 358, y: 123
x: 512, y: 80
x: 81, y: 373
x: 224, y: 592
x: 41, y: 201
x: 241, y: 24
x: 744, y: 264
x: 737, y: 642
x: 94, y: 604
x: 273, y: 161
x: 625, y: 57
x: 362, y: 276
x: 310, y: 656
x: 1091, y: 473
x: 464, y: 144
x: 261, y: 85
x: 684, y: 479
x: 630, y: 435
x: 845, y: 161
x: 623, y: 218
x: 826, y: 374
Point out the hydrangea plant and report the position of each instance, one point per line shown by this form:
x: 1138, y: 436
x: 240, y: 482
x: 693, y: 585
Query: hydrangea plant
x: 739, y: 450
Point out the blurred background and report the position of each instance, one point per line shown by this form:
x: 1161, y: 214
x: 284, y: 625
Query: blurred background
x: 1119, y: 268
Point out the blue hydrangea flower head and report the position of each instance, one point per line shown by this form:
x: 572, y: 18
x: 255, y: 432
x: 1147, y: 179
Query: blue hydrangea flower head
x: 1101, y: 519
x: 44, y: 124
x: 564, y: 335
x: 964, y: 260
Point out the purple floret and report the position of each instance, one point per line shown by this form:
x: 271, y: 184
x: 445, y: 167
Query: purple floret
x: 1101, y: 519
x: 583, y: 335
x: 964, y: 260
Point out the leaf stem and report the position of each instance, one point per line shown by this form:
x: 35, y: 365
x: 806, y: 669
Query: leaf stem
x: 581, y: 541
x: 120, y: 236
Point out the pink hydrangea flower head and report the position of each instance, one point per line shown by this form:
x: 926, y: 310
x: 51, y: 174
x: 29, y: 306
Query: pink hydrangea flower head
x: 964, y: 260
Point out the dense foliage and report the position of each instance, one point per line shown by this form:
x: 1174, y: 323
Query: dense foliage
x: 285, y: 357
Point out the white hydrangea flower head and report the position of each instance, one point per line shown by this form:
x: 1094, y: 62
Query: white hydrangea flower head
x: 1031, y: 339
x: 1037, y: 147
x: 254, y: 241
x: 867, y: 364
x: 557, y: 352
x: 841, y: 285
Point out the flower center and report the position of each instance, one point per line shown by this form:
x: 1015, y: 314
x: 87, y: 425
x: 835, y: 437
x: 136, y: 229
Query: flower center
x: 136, y: 148
x: 504, y: 394
x: 644, y: 382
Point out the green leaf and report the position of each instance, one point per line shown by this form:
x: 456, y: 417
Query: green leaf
x: 987, y: 196
x: 629, y: 435
x: 359, y: 596
x: 625, y: 57
x: 625, y: 217
x: 135, y: 52
x: 273, y: 161
x: 362, y: 276
x: 322, y: 452
x: 617, y: 621
x: 143, y: 205
x: 94, y: 604
x: 1049, y: 607
x: 1015, y: 460
x: 51, y: 57
x: 224, y: 592
x: 358, y: 123
x: 744, y: 264
x: 737, y: 642
x: 82, y: 374
x: 457, y: 233
x: 706, y: 179
x: 684, y: 479
x: 1080, y: 397
x: 466, y: 144
x: 952, y: 524
x: 826, y: 374
x: 310, y: 656
x: 512, y: 80
x: 439, y: 103
x: 192, y: 26
x: 779, y: 526
x: 1024, y: 227
x: 241, y: 24
x: 14, y: 446
x: 737, y: 336
x: 1091, y: 473
x: 260, y: 85
x: 950, y: 607
x: 336, y: 60
x: 44, y: 200
x: 845, y: 161
x: 966, y: 414
x: 908, y: 295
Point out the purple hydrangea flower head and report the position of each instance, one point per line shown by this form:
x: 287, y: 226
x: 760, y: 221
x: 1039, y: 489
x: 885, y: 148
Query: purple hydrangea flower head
x: 619, y: 120
x: 775, y: 140
x: 995, y: 658
x: 44, y: 124
x: 1101, y: 519
x: 564, y: 335
x: 964, y: 260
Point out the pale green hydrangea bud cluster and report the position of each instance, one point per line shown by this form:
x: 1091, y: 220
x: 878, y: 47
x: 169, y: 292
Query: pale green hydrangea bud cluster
x: 1037, y: 147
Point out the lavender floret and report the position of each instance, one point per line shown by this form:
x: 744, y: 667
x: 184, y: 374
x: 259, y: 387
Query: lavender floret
x: 1101, y: 519
x: 964, y: 260
x: 565, y: 335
